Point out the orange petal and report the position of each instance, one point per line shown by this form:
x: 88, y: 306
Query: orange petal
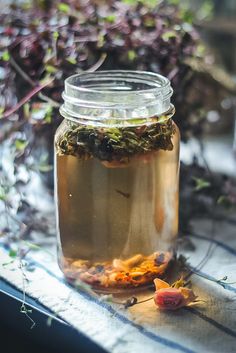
x: 160, y: 284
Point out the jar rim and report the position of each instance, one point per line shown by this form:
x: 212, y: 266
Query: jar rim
x: 159, y: 82
x: 116, y: 94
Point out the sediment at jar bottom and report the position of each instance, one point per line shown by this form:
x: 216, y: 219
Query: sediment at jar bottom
x: 137, y: 271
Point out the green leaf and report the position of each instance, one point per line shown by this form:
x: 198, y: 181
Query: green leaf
x: 130, y: 2
x: 48, y: 115
x: 162, y: 119
x: 110, y: 18
x: 1, y: 111
x: 167, y: 35
x: 3, y: 195
x: 12, y: 253
x: 101, y: 40
x: 201, y: 183
x: 149, y: 22
x: 223, y: 200
x: 200, y: 50
x: 206, y: 11
x: 44, y: 168
x: 151, y: 3
x: 50, y: 69
x: 26, y: 109
x: 174, y: 2
x: 131, y: 55
x: 63, y: 7
x: 71, y: 60
x: 186, y: 16
x: 48, y: 119
x: 55, y: 35
x: 34, y: 246
x: 6, y: 55
x: 20, y: 145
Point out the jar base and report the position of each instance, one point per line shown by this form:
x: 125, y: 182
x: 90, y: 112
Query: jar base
x: 117, y: 276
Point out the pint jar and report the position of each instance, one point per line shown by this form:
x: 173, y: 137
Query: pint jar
x: 116, y: 179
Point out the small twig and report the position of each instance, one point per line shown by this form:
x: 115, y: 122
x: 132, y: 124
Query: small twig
x: 221, y: 281
x: 131, y: 302
x: 144, y: 300
x: 23, y: 308
x: 24, y: 100
x: 49, y: 100
x: 22, y: 73
x: 33, y: 246
x: 98, y: 63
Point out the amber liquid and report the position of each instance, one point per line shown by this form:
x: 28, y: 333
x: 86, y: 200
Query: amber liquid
x: 106, y: 213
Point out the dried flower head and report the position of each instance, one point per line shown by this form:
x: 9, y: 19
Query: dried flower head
x: 172, y: 297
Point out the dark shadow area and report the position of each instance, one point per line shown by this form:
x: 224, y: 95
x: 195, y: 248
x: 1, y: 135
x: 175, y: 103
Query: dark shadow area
x: 16, y: 335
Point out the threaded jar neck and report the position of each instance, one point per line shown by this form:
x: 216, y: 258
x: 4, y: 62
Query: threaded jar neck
x: 116, y: 98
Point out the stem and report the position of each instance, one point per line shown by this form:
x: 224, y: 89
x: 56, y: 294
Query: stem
x: 98, y: 63
x: 49, y: 100
x: 26, y: 99
x: 23, y: 308
x: 219, y: 281
x: 22, y: 73
x: 144, y: 300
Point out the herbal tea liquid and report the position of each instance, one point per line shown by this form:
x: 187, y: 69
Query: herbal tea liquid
x: 108, y: 213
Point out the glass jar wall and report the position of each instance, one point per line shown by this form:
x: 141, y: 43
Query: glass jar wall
x: 116, y: 177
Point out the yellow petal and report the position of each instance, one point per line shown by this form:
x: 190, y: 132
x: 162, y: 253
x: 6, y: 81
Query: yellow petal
x: 188, y: 294
x: 160, y: 284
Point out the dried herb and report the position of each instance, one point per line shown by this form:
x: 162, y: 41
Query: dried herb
x: 135, y: 271
x: 114, y: 144
x: 160, y: 259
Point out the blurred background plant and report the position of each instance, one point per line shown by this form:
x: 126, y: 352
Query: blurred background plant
x: 44, y: 41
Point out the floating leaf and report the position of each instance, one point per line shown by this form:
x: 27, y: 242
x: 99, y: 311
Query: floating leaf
x: 116, y: 145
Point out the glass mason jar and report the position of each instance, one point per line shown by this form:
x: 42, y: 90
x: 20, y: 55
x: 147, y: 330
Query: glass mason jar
x: 116, y: 179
